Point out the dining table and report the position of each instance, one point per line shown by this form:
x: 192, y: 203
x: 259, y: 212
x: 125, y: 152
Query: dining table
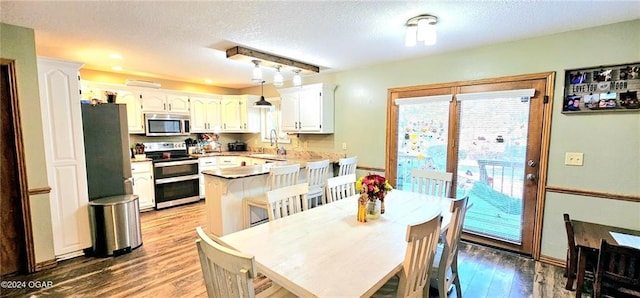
x: 587, y: 236
x: 326, y: 252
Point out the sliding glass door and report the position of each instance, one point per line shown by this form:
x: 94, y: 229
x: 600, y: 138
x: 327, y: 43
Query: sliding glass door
x: 490, y: 137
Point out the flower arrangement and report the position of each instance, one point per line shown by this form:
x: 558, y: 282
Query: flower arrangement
x: 374, y: 187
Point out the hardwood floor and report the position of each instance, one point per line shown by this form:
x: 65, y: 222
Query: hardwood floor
x: 167, y: 265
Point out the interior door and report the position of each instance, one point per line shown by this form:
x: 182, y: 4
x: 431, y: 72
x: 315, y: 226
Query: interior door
x: 489, y: 134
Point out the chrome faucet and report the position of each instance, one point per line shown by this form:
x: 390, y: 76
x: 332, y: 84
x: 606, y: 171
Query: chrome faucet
x: 273, y: 133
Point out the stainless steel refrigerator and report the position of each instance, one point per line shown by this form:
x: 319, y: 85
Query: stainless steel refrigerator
x: 107, y: 153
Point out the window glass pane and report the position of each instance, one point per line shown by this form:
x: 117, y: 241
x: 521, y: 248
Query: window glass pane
x: 271, y: 120
x: 422, y: 139
x: 491, y: 157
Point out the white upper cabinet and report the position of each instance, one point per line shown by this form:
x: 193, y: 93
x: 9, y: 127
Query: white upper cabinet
x: 239, y: 115
x: 307, y: 109
x: 124, y: 95
x: 205, y: 114
x: 157, y: 101
x: 135, y: 120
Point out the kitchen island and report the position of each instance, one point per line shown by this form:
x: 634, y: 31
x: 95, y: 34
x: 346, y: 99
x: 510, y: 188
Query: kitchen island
x: 224, y: 190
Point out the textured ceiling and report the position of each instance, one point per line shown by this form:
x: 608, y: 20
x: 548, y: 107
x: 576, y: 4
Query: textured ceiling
x: 186, y: 40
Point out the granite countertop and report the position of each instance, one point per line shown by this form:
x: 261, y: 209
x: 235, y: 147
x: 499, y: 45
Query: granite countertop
x: 243, y: 171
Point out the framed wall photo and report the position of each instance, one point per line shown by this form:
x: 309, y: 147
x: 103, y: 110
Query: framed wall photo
x: 611, y: 88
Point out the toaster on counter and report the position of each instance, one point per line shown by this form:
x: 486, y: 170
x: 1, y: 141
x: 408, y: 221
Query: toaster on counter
x: 237, y: 146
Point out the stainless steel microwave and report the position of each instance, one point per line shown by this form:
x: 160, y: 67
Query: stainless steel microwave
x: 158, y: 124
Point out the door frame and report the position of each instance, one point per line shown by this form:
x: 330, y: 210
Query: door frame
x: 454, y: 88
x: 29, y: 260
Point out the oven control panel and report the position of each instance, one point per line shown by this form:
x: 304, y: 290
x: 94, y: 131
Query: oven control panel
x: 164, y: 146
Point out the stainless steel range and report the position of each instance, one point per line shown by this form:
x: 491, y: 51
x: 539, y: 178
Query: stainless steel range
x: 176, y: 174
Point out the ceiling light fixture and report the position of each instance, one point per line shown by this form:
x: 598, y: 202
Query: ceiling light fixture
x: 262, y: 103
x: 421, y: 28
x: 257, y: 72
x: 278, y: 80
x: 297, y: 79
x: 270, y: 60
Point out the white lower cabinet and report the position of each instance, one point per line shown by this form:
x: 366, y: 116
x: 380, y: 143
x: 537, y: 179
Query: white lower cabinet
x: 143, y: 186
x: 205, y: 164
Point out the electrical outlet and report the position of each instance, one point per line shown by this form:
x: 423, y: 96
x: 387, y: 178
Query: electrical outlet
x: 344, y: 146
x: 573, y: 158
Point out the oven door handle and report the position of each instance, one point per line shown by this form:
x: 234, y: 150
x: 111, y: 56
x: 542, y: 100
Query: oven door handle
x: 175, y: 163
x: 176, y: 179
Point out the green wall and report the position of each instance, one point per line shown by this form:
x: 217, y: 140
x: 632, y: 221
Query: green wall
x: 610, y: 142
x: 17, y: 43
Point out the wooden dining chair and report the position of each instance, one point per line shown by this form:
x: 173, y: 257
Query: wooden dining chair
x: 279, y: 176
x: 229, y: 273
x: 340, y: 187
x: 317, y: 175
x: 571, y: 262
x: 287, y: 200
x: 347, y: 165
x: 618, y: 271
x: 422, y: 240
x: 431, y: 182
x: 445, y: 266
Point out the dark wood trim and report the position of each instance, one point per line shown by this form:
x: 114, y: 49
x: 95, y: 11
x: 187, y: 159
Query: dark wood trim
x: 545, y: 143
x: 365, y: 168
x: 46, y: 265
x: 40, y: 190
x: 552, y: 261
x: 532, y: 240
x: 593, y: 193
x: 22, y: 168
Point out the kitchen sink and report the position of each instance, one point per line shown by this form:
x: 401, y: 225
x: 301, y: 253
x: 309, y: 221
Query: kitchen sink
x: 267, y: 156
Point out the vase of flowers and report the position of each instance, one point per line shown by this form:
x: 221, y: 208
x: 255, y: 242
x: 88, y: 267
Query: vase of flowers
x: 373, y: 189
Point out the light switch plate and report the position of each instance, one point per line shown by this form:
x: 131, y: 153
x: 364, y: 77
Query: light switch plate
x: 344, y: 146
x: 573, y: 158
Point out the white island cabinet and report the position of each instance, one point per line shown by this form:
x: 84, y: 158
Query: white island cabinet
x: 224, y: 190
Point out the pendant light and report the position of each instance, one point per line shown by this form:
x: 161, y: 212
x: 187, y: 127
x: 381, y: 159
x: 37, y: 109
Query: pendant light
x: 297, y: 79
x: 262, y: 103
x: 278, y: 80
x: 257, y: 72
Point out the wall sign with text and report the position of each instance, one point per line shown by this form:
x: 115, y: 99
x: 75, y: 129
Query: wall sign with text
x: 612, y: 88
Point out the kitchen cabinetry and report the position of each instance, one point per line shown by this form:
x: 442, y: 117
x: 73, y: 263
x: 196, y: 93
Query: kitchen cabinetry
x: 307, y: 109
x: 64, y: 155
x: 143, y: 185
x: 124, y: 95
x: 135, y: 120
x: 238, y: 113
x: 228, y: 161
x: 205, y: 114
x: 205, y: 164
x: 157, y: 101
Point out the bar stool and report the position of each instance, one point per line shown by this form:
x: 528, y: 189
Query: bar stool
x: 279, y: 176
x: 317, y: 174
x: 347, y: 165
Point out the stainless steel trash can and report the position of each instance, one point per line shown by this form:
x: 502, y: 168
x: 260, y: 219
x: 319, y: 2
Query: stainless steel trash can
x: 115, y: 225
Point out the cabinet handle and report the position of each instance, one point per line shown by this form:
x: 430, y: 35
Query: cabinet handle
x: 245, y: 126
x: 169, y: 107
x: 133, y: 182
x: 164, y: 106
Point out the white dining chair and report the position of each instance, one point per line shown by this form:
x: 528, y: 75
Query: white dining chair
x: 317, y: 174
x: 431, y: 183
x: 287, y: 200
x: 347, y: 165
x: 340, y: 187
x: 413, y: 280
x: 279, y: 176
x: 445, y: 267
x: 229, y: 273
